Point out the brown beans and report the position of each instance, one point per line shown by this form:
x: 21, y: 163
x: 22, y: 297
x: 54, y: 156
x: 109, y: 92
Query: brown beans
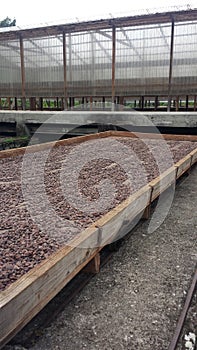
x: 23, y: 244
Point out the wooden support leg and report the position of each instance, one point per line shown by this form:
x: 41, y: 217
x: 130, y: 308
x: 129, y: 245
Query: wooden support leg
x: 94, y: 265
x: 146, y: 214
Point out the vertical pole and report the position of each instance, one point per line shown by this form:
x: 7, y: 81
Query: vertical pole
x: 22, y: 71
x: 177, y: 103
x: 65, y: 106
x: 103, y: 102
x: 195, y: 102
x: 187, y: 102
x: 156, y: 102
x: 92, y: 64
x: 141, y: 102
x: 16, y: 103
x: 9, y: 102
x: 171, y: 66
x: 41, y: 103
x: 32, y: 101
x: 113, y: 64
x: 70, y: 57
x: 91, y: 102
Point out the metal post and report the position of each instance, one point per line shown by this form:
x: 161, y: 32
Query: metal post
x: 171, y: 66
x: 65, y: 106
x: 177, y: 103
x: 156, y: 103
x: 195, y: 102
x: 113, y: 64
x: 187, y: 102
x: 92, y: 64
x: 22, y: 72
x: 16, y: 103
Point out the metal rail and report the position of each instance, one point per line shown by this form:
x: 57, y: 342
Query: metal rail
x: 183, y: 314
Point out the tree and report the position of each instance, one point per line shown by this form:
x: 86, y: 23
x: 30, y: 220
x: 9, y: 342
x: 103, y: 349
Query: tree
x: 7, y: 22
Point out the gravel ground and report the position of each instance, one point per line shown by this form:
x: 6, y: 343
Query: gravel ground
x: 22, y: 243
x: 136, y: 299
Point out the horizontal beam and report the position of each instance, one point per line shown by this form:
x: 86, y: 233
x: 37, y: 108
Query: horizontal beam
x: 157, y: 18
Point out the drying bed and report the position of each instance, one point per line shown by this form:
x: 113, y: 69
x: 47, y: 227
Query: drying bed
x: 30, y: 252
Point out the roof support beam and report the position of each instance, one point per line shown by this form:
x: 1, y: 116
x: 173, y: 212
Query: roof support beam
x: 171, y: 66
x: 22, y: 72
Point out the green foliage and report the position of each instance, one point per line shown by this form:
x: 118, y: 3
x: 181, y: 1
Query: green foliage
x: 7, y: 22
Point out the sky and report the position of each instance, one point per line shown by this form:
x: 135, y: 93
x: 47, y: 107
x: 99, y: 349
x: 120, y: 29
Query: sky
x: 36, y: 12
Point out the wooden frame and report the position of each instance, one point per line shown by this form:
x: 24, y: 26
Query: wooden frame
x: 23, y: 299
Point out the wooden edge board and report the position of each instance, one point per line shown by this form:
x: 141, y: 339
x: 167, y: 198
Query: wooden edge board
x: 158, y: 135
x: 194, y: 156
x: 74, y: 140
x: 115, y: 223
x: 27, y: 296
x: 162, y: 182
x: 43, y: 146
x: 23, y: 299
x: 183, y: 165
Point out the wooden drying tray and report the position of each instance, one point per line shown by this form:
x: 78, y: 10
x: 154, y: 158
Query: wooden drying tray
x: 23, y: 299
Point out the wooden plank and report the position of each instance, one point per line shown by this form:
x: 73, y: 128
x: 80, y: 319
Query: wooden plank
x: 94, y: 265
x: 141, y: 135
x: 194, y: 156
x: 79, y: 139
x: 183, y: 165
x: 22, y: 300
x: 118, y: 221
x: 162, y: 182
x: 146, y: 214
x: 41, y: 147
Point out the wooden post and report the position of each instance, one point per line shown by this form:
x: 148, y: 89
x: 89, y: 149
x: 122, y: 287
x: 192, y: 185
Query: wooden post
x: 94, y: 265
x: 146, y: 214
x: 113, y: 64
x: 171, y: 66
x: 22, y: 72
x: 65, y: 106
